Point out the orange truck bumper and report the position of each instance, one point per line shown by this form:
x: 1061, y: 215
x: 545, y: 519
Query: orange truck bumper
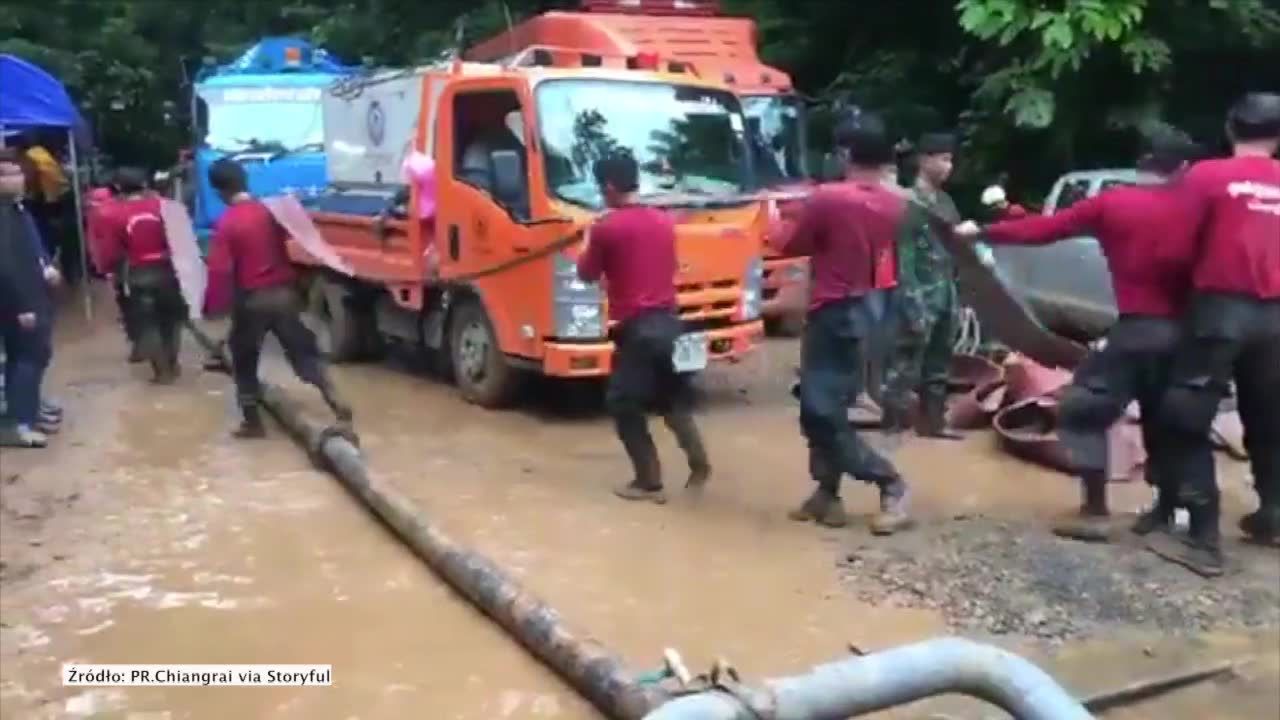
x: 586, y: 360
x: 786, y: 286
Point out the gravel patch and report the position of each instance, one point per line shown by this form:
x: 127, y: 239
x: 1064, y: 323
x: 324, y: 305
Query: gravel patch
x: 1012, y: 579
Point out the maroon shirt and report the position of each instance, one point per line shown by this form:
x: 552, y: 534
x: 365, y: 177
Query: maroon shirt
x: 850, y: 229
x: 1148, y: 235
x: 1238, y: 204
x: 247, y: 252
x: 132, y: 230
x: 634, y: 247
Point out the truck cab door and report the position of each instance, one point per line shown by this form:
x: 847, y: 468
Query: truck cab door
x: 487, y: 170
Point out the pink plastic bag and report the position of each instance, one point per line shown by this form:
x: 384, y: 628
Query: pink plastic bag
x: 420, y: 171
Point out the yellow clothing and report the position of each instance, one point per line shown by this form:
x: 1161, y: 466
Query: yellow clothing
x: 51, y: 180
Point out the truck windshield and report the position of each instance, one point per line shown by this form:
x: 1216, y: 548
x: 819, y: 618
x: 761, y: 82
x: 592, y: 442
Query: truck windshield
x: 264, y: 119
x: 777, y: 137
x: 687, y: 140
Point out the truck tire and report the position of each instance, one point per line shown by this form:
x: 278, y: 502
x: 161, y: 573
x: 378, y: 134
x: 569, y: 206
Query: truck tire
x: 480, y: 370
x: 335, y: 324
x: 788, y: 325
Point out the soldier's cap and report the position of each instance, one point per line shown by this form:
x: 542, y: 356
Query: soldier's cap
x: 865, y: 137
x: 1168, y: 148
x: 936, y: 143
x: 1256, y: 116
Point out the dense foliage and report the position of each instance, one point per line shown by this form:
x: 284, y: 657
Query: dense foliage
x: 1036, y: 86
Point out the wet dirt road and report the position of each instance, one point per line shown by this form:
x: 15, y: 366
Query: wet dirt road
x: 180, y: 546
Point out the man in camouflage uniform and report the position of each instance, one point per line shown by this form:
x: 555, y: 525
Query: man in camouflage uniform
x: 926, y: 303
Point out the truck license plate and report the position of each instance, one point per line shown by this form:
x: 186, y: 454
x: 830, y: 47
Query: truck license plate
x: 690, y: 354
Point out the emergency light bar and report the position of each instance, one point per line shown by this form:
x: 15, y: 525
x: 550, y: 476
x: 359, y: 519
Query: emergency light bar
x: 702, y: 8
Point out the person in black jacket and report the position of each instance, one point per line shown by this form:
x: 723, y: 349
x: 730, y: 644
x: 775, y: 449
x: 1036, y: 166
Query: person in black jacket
x: 26, y: 311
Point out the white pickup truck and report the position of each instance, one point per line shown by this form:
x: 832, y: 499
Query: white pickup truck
x: 1067, y: 284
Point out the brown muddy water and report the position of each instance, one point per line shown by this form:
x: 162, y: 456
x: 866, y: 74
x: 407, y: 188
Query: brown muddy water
x: 146, y: 535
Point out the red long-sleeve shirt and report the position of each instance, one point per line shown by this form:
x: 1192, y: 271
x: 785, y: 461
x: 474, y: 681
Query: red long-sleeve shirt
x: 247, y: 252
x: 132, y: 230
x: 635, y: 249
x: 1238, y: 212
x: 1147, y: 233
x: 850, y: 230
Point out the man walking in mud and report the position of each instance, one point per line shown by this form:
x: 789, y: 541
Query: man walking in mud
x: 633, y: 248
x: 926, y: 304
x: 135, y: 245
x: 1233, y: 332
x: 1148, y: 235
x: 849, y: 229
x: 249, y: 269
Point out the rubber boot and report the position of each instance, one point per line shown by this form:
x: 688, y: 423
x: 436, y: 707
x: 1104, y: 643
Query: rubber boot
x: 682, y: 425
x: 135, y: 355
x: 893, y: 516
x: 647, y: 485
x: 895, y: 417
x: 251, y: 426
x: 823, y: 507
x: 934, y: 422
x: 1092, y: 523
x: 1201, y: 551
x: 1157, y: 518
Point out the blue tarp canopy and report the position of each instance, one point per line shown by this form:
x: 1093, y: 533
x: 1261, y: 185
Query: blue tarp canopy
x: 31, y: 97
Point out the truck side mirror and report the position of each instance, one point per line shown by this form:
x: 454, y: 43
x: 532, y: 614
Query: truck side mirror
x: 508, y: 177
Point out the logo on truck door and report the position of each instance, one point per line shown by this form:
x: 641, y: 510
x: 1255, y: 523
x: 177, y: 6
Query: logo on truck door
x: 375, y: 123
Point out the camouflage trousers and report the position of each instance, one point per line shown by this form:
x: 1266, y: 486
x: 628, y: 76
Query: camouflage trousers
x: 921, y: 359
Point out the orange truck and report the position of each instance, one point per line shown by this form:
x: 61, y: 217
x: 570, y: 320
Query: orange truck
x: 478, y: 266
x: 694, y: 36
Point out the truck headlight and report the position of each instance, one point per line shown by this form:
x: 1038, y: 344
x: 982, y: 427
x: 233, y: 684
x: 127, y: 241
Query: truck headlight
x: 579, y: 306
x: 752, y: 289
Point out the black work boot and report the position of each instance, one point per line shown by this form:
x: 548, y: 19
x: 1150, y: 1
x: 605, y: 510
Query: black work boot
x: 1201, y: 551
x: 1092, y: 522
x: 934, y: 422
x: 823, y: 507
x: 1262, y: 526
x: 893, y: 516
x: 682, y: 425
x: 251, y: 426
x: 1159, y: 517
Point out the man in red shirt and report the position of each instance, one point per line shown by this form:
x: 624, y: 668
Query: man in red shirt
x: 249, y: 268
x: 1233, y: 330
x: 633, y: 248
x: 1148, y: 235
x: 134, y: 245
x: 850, y: 229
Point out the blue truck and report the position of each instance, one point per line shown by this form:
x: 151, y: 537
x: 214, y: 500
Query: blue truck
x: 263, y: 110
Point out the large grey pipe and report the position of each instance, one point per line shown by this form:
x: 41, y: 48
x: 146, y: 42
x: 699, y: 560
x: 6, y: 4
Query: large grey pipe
x: 865, y: 684
x: 587, y: 666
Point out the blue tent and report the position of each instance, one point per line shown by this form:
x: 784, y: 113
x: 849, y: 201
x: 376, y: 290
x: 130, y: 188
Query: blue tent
x: 32, y: 98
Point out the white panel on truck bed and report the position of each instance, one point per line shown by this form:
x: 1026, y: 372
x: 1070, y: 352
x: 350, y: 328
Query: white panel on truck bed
x: 369, y: 127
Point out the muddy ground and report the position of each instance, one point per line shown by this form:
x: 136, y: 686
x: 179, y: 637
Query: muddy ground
x: 146, y: 535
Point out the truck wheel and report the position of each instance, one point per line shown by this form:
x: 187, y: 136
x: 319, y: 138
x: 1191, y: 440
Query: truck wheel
x: 789, y: 325
x: 336, y: 326
x: 479, y: 367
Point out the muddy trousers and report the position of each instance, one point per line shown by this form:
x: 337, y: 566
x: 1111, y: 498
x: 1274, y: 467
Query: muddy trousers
x: 835, y: 342
x: 276, y: 311
x: 644, y: 380
x: 1230, y: 338
x: 1134, y: 365
x: 159, y: 312
x: 127, y: 319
